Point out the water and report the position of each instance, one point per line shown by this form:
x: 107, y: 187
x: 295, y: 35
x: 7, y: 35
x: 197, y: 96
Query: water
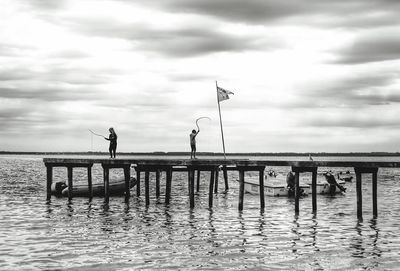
x: 88, y: 235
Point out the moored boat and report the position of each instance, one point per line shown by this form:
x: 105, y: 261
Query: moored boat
x: 274, y: 185
x: 116, y: 187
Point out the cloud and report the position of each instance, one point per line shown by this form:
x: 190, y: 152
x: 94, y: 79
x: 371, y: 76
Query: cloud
x: 372, y: 46
x: 189, y: 40
x: 365, y: 13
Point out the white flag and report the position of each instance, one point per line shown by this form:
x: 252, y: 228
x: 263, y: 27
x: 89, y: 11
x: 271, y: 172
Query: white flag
x: 223, y: 94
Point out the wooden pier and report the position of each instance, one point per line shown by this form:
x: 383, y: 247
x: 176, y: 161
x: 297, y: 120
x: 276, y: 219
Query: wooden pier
x: 213, y: 166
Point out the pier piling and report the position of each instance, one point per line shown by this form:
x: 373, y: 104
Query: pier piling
x: 157, y: 184
x: 198, y: 181
x: 210, y: 189
x: 49, y: 170
x: 147, y: 187
x: 90, y: 186
x: 216, y: 181
x: 226, y: 178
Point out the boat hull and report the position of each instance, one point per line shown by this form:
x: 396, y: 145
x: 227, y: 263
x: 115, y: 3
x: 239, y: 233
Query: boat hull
x: 116, y: 187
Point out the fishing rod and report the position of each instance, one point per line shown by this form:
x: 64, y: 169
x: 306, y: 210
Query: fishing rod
x: 197, y: 124
x: 96, y: 134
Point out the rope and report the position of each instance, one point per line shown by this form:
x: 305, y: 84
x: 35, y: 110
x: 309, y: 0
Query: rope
x: 200, y: 119
x: 96, y: 134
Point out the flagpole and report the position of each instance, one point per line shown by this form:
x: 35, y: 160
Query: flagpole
x: 220, y: 120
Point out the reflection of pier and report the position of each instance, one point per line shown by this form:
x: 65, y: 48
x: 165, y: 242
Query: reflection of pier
x: 213, y: 166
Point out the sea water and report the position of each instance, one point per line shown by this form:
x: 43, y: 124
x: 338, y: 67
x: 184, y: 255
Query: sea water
x: 91, y: 235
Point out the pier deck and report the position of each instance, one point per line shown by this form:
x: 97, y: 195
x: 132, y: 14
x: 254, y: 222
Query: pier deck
x: 214, y: 166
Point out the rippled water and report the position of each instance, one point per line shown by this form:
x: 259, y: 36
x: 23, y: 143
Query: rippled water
x: 88, y: 235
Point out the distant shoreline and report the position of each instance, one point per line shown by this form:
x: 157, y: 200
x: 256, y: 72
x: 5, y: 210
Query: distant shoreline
x: 357, y: 154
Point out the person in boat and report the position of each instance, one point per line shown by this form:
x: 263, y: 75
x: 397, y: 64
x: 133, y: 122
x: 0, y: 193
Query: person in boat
x: 193, y: 143
x: 291, y: 184
x: 113, y: 142
x: 346, y: 177
x: 330, y: 178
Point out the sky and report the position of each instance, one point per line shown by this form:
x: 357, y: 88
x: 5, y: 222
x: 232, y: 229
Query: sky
x: 307, y: 75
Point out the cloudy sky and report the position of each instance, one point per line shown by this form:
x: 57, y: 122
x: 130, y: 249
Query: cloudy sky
x: 308, y: 75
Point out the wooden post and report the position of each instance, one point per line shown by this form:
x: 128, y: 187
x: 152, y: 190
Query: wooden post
x: 359, y: 193
x: 210, y: 190
x: 147, y: 187
x: 374, y: 193
x: 296, y: 192
x: 314, y: 190
x: 198, y: 181
x: 106, y: 173
x: 191, y: 187
x: 137, y: 182
x: 262, y: 199
x: 157, y: 183
x: 70, y: 185
x: 226, y: 178
x: 90, y: 185
x: 127, y: 175
x: 241, y: 189
x: 49, y: 180
x: 168, y: 185
x: 216, y: 181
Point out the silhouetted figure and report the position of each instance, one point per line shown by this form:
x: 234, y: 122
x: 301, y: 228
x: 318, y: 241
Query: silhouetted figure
x: 193, y: 143
x: 330, y: 178
x: 113, y: 142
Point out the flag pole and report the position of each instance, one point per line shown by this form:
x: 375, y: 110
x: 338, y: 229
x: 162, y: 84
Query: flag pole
x: 220, y: 120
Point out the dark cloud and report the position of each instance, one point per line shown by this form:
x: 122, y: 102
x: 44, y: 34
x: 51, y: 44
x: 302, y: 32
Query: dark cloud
x: 50, y: 94
x: 355, y: 90
x: 371, y: 47
x: 182, y: 41
x: 351, y: 121
x: 362, y: 13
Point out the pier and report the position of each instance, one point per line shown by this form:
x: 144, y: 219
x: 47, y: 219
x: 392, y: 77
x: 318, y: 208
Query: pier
x: 213, y: 166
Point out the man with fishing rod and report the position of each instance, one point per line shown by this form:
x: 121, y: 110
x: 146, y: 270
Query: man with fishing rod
x: 113, y: 141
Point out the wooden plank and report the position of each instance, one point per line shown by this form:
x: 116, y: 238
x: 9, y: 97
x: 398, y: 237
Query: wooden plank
x: 217, y: 162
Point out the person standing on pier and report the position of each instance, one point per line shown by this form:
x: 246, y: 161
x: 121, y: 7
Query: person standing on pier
x: 113, y: 142
x: 193, y: 143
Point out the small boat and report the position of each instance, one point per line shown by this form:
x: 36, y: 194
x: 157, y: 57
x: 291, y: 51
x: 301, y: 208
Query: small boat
x: 274, y: 185
x: 116, y: 187
x: 324, y: 187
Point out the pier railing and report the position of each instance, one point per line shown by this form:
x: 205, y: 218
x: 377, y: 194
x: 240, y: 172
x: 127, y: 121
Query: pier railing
x: 213, y: 166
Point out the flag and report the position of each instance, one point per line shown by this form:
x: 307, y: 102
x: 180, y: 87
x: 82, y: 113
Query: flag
x: 223, y: 94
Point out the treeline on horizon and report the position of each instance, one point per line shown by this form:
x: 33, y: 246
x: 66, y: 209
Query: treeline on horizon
x: 213, y: 153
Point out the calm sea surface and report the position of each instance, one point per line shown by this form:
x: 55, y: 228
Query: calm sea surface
x: 84, y: 235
